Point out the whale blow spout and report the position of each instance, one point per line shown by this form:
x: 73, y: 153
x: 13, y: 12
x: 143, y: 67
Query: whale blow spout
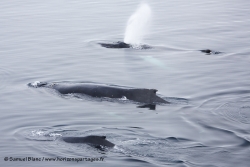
x: 138, y: 24
x: 136, y: 30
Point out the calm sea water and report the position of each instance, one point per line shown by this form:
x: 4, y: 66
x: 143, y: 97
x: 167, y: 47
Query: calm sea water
x: 207, y: 123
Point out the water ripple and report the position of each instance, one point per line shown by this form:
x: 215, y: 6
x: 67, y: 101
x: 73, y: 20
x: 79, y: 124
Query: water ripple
x: 4, y: 77
x: 236, y: 111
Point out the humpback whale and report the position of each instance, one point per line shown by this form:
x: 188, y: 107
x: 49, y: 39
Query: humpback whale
x: 141, y: 95
x: 119, y: 45
x: 208, y: 51
x: 93, y: 140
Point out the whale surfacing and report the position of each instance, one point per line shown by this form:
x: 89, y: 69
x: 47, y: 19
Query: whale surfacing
x: 146, y: 96
x: 208, y: 51
x: 115, y: 45
x: 91, y: 140
x: 120, y: 45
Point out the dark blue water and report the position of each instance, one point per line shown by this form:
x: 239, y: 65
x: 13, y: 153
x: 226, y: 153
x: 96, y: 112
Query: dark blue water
x: 207, y: 122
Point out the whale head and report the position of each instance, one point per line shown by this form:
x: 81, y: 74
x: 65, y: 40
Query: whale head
x: 37, y: 84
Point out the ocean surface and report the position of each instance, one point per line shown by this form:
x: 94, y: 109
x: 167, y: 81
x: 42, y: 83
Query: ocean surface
x: 207, y: 123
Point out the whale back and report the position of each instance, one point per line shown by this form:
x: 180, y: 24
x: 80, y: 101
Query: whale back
x: 117, y: 45
x: 142, y: 95
x: 92, y: 140
x: 147, y: 96
x: 95, y: 90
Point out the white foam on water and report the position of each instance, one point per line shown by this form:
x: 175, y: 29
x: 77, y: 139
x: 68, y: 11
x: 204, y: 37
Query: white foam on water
x: 37, y: 133
x: 54, y: 134
x: 123, y: 98
x: 35, y: 84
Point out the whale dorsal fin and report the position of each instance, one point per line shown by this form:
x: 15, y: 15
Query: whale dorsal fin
x: 103, y: 137
x: 154, y: 90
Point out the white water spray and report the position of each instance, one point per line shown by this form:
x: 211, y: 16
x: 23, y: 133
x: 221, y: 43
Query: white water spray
x: 137, y: 25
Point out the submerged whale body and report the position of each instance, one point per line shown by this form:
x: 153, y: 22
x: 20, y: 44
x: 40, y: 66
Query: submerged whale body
x: 208, y: 51
x: 119, y: 45
x: 146, y: 96
x: 91, y: 140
